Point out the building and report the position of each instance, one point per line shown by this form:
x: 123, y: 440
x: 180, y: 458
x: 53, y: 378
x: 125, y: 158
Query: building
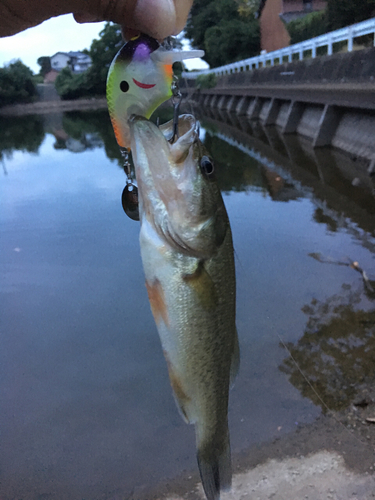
x: 292, y: 9
x: 275, y: 14
x: 76, y: 61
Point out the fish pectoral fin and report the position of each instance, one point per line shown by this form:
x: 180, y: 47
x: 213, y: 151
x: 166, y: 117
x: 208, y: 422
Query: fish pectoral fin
x: 235, y: 361
x: 201, y: 282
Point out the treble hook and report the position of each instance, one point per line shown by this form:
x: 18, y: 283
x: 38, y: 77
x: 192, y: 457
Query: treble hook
x: 176, y: 99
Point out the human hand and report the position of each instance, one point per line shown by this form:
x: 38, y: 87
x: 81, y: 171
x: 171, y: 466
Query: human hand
x: 157, y: 18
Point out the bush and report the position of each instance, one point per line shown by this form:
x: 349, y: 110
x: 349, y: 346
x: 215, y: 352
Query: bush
x: 16, y: 84
x: 74, y: 86
x: 38, y: 79
x: 208, y: 81
x: 309, y: 26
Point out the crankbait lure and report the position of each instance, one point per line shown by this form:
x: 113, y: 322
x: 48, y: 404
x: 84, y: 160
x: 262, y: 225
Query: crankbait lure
x: 140, y: 79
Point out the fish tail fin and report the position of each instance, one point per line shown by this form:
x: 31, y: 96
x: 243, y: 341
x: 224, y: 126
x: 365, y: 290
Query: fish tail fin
x: 214, y: 461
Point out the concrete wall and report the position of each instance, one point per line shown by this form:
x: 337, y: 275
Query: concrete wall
x: 47, y: 92
x: 357, y: 66
x: 329, y: 100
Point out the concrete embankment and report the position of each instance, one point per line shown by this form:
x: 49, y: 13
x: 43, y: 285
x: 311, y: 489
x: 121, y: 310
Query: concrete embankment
x: 330, y: 99
x: 41, y: 107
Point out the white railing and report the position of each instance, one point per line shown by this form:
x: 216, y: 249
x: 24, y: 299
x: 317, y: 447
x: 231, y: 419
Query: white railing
x: 269, y: 59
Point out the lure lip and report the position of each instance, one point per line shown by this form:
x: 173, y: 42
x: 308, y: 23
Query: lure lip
x: 144, y: 85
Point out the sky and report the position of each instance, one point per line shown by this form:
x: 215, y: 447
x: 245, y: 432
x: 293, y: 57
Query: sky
x: 59, y: 34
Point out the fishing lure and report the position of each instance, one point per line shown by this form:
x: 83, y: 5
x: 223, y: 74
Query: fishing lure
x: 140, y: 79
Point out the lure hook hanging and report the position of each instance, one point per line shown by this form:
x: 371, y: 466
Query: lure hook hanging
x: 176, y: 100
x: 129, y: 197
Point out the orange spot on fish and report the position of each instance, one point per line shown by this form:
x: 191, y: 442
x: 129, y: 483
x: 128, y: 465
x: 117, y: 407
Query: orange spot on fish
x: 181, y: 396
x: 144, y: 85
x: 157, y: 301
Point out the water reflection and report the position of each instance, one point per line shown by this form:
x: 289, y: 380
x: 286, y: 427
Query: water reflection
x: 340, y: 186
x: 335, y: 356
x: 86, y: 405
x: 21, y: 134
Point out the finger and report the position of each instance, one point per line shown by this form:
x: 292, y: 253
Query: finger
x: 129, y: 33
x: 155, y: 17
x: 182, y: 8
x: 86, y: 17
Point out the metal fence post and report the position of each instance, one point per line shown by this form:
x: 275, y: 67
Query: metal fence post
x: 313, y: 50
x: 329, y: 49
x: 350, y: 39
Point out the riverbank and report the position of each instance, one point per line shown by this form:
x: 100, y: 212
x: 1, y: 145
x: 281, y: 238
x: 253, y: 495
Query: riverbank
x: 42, y: 107
x: 332, y: 458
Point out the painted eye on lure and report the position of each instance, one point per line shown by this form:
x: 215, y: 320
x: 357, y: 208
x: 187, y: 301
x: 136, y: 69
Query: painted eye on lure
x: 124, y: 86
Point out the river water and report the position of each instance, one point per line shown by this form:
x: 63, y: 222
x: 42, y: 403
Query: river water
x: 86, y: 407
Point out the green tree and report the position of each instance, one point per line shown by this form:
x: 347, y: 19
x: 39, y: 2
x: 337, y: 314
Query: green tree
x: 309, y: 26
x: 217, y: 27
x: 249, y: 7
x: 16, y: 84
x: 70, y: 85
x: 342, y: 13
x: 45, y: 65
x: 231, y: 41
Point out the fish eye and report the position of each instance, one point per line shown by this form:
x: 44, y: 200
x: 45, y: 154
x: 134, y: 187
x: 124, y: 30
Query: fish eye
x: 207, y: 167
x: 124, y: 86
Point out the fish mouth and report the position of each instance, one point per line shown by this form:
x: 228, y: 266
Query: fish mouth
x: 144, y: 85
x: 188, y: 128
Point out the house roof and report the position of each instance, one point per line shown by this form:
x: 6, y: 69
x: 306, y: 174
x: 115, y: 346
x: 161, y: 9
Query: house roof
x: 71, y: 54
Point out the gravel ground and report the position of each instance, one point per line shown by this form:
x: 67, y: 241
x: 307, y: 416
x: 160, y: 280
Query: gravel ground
x: 331, y: 459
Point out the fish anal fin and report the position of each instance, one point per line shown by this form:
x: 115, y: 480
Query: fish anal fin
x: 180, y: 396
x: 201, y: 282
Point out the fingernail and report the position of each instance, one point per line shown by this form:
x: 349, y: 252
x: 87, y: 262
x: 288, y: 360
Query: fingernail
x: 155, y: 18
x: 85, y: 17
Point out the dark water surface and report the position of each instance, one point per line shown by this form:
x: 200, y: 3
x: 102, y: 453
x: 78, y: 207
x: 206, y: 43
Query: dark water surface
x: 86, y: 406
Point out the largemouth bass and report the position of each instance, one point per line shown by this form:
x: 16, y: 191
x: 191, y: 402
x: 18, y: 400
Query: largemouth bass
x: 187, y: 254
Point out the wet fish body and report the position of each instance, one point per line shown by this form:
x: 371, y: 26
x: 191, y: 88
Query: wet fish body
x: 187, y: 254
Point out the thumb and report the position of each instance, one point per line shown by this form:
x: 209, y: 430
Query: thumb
x: 157, y: 18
